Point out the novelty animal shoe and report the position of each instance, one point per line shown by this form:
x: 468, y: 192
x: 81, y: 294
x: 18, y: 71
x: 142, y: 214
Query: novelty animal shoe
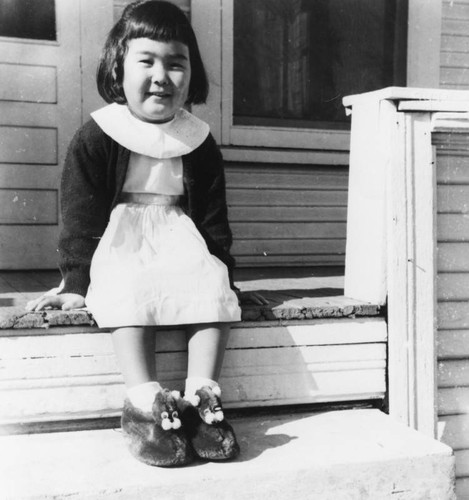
x: 156, y: 438
x: 211, y: 436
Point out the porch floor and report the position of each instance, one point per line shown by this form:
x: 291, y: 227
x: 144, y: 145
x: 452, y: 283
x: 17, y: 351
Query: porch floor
x: 293, y: 294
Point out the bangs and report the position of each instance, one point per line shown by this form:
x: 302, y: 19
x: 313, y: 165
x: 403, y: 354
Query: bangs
x: 157, y: 33
x: 159, y: 24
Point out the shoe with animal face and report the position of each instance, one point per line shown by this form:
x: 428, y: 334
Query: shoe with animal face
x: 211, y: 436
x: 157, y: 438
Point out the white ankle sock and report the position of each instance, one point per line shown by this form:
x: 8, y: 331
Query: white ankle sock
x: 142, y: 396
x: 193, y: 384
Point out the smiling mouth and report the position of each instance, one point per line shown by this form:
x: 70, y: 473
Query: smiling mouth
x: 159, y: 94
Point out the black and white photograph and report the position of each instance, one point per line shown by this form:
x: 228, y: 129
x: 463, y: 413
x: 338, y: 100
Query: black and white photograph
x: 234, y: 249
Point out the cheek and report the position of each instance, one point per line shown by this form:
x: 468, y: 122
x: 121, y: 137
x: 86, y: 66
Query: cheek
x: 184, y: 90
x: 126, y: 84
x: 133, y: 75
x: 181, y: 81
x: 132, y: 88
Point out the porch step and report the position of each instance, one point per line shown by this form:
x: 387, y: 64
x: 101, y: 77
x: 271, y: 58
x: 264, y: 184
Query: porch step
x: 351, y: 454
x: 70, y: 374
x: 309, y: 345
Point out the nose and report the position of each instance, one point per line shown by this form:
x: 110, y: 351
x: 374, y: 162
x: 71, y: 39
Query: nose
x: 159, y: 75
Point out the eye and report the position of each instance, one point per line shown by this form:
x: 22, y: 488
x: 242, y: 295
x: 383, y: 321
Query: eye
x: 164, y: 415
x: 176, y: 64
x: 206, y: 411
x: 175, y: 414
x: 145, y: 62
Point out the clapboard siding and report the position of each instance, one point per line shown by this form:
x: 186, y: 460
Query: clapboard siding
x: 287, y: 215
x: 452, y: 257
x: 453, y: 293
x: 454, y: 61
x: 453, y: 344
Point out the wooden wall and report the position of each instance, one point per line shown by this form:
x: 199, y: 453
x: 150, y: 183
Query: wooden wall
x: 287, y: 214
x: 453, y: 298
x: 454, y: 72
x: 453, y: 251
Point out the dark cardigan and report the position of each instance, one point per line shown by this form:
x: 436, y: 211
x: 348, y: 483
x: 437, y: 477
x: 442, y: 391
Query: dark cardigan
x: 92, y: 180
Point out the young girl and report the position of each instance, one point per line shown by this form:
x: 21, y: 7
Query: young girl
x: 146, y: 240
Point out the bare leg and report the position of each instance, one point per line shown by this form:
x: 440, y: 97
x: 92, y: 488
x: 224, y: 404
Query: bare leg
x: 135, y: 351
x: 212, y: 437
x: 206, y: 345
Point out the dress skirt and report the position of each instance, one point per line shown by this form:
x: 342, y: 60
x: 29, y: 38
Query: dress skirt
x: 153, y: 267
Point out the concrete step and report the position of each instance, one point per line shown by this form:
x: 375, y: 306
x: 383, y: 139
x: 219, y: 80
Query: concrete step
x: 351, y: 454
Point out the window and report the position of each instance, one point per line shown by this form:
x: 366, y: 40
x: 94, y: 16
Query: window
x: 30, y: 19
x: 278, y: 82
x: 294, y: 60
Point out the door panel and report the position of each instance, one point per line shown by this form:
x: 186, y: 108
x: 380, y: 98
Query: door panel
x: 47, y: 90
x: 40, y: 108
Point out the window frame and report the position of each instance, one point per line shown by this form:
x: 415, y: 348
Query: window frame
x: 213, y: 24
x: 37, y: 41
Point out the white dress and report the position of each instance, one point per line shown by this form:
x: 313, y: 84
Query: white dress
x: 152, y: 266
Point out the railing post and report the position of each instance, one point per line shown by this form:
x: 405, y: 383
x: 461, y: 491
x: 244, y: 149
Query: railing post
x: 411, y: 276
x: 391, y: 234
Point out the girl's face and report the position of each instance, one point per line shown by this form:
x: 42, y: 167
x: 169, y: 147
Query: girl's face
x: 156, y: 78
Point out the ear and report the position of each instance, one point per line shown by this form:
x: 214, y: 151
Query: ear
x: 218, y: 416
x: 193, y: 400
x: 176, y: 395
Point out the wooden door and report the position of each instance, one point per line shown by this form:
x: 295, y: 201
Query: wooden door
x: 41, y: 105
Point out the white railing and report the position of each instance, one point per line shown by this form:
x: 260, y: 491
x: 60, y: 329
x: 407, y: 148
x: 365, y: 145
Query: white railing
x: 391, y: 231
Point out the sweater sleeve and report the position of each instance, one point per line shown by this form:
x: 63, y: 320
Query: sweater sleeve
x: 214, y: 225
x: 85, y: 202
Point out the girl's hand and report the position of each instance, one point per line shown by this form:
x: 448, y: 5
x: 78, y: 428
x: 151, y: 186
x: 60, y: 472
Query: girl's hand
x: 65, y: 301
x: 253, y: 298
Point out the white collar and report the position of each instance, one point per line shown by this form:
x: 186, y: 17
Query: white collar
x: 180, y: 136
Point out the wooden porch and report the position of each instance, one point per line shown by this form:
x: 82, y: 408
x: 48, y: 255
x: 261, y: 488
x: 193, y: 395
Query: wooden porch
x: 309, y: 345
x: 310, y: 367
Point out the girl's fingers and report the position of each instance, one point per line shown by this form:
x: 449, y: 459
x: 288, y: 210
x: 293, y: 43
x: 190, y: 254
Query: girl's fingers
x: 37, y: 304
x: 48, y: 302
x: 65, y: 302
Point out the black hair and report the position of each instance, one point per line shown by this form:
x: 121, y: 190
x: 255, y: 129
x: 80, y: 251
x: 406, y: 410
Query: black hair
x: 160, y: 21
